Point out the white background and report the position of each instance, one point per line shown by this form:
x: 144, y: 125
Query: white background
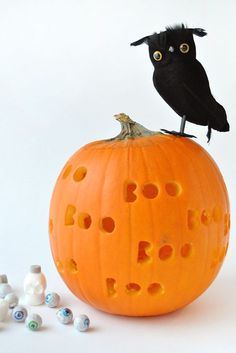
x: 65, y: 68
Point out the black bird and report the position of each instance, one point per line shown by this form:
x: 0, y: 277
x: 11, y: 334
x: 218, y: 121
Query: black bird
x: 181, y: 80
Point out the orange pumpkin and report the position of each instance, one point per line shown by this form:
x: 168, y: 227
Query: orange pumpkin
x: 139, y: 224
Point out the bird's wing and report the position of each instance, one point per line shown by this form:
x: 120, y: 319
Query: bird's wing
x: 185, y: 87
x: 209, y: 107
x: 197, y: 90
x: 190, y: 93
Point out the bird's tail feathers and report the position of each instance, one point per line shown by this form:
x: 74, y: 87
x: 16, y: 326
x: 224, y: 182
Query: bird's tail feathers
x: 219, y: 122
x: 224, y: 127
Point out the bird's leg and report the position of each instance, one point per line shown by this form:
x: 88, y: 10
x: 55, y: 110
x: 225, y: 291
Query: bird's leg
x: 181, y: 133
x: 208, y: 134
x: 182, y: 125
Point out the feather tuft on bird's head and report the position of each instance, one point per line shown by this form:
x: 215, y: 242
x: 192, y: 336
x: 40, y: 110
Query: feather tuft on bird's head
x: 176, y: 27
x: 176, y: 43
x: 161, y: 38
x: 200, y: 32
x: 152, y: 40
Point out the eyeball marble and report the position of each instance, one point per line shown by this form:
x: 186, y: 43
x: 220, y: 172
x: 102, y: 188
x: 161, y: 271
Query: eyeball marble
x: 65, y: 316
x: 33, y: 322
x: 19, y: 313
x: 12, y: 300
x: 52, y: 300
x: 81, y: 323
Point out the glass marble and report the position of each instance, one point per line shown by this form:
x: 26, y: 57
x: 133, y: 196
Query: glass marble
x: 64, y: 316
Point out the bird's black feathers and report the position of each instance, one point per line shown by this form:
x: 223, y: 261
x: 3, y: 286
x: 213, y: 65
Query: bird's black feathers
x: 162, y: 36
x: 180, y: 78
x: 140, y: 41
x: 176, y: 27
x: 199, y: 32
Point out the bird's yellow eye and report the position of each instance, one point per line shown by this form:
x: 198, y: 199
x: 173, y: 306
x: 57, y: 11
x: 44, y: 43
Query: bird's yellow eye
x: 184, y: 48
x: 157, y: 55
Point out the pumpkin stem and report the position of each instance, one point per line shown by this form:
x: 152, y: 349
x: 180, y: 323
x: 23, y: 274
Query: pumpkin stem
x: 131, y: 129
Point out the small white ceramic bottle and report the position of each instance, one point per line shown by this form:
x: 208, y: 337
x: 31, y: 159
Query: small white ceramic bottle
x: 34, y: 286
x: 5, y: 288
x: 3, y: 279
x: 3, y: 310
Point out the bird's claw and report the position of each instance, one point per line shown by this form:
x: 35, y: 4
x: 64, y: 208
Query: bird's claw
x: 178, y: 133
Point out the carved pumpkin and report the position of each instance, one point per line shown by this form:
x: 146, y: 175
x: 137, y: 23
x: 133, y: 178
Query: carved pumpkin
x: 139, y: 224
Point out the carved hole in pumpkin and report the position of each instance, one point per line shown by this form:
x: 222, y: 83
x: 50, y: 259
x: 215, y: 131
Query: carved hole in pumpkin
x: 222, y: 254
x: 217, y: 214
x: 69, y: 215
x: 226, y: 248
x: 111, y: 287
x: 215, y: 256
x: 226, y: 223
x: 143, y: 248
x: 165, y: 252
x: 133, y: 288
x: 50, y: 226
x: 108, y: 224
x: 150, y: 191
x: 71, y: 266
x: 79, y: 174
x: 155, y: 289
x: 206, y: 217
x: 130, y: 187
x: 66, y: 171
x: 186, y: 250
x: 173, y: 188
x: 193, y: 219
x: 84, y: 220
x: 59, y: 266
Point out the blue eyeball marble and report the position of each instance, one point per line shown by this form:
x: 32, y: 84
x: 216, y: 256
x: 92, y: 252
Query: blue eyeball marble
x: 19, y: 313
x: 52, y: 300
x: 65, y: 316
x: 81, y: 323
x: 33, y: 322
